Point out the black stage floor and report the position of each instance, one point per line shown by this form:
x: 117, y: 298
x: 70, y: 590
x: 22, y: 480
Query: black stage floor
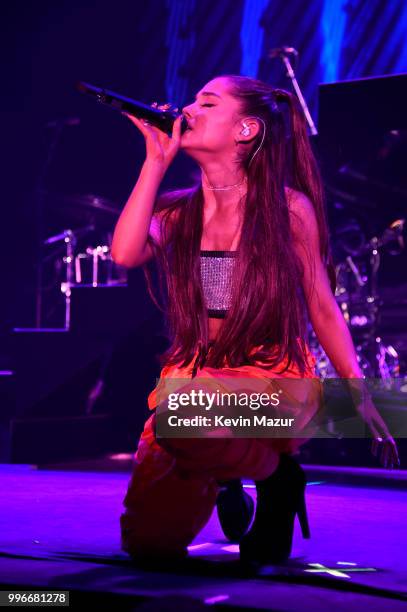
x: 60, y: 531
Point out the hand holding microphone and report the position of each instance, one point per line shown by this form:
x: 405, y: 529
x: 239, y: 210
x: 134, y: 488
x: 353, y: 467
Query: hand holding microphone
x: 160, y: 148
x: 162, y: 117
x: 161, y: 125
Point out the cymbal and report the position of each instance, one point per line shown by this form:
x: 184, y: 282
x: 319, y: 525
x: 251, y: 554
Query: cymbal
x: 91, y: 202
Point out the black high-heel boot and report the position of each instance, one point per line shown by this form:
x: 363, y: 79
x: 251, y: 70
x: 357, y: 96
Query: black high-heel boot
x: 235, y: 509
x: 280, y: 497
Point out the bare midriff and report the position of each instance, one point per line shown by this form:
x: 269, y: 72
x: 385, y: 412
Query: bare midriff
x: 214, y: 326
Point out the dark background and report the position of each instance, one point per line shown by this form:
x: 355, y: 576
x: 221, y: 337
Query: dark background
x: 165, y: 50
x: 147, y: 50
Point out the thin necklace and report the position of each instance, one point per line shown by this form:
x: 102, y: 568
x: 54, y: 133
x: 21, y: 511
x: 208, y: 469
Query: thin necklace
x: 225, y: 187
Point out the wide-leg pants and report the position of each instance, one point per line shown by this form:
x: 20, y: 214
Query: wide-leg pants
x: 174, y: 484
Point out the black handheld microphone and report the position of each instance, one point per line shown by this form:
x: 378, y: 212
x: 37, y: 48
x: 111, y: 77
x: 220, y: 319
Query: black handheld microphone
x: 162, y: 119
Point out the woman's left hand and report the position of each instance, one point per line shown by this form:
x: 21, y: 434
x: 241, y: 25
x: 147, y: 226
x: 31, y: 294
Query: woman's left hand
x: 383, y: 444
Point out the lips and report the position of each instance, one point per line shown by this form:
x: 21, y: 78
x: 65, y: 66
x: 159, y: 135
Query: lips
x: 189, y: 127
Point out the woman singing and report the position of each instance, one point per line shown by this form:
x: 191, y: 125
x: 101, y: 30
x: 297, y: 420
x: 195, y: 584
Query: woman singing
x: 245, y: 255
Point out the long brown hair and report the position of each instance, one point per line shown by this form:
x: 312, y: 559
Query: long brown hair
x: 267, y: 307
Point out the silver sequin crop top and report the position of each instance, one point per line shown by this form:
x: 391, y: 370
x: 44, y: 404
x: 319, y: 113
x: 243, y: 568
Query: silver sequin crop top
x: 216, y: 279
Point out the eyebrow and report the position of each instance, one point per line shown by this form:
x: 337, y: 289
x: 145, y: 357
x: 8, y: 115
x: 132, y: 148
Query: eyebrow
x: 207, y: 93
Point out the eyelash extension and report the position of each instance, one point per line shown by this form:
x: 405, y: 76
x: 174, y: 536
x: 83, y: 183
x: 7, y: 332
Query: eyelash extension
x: 208, y: 104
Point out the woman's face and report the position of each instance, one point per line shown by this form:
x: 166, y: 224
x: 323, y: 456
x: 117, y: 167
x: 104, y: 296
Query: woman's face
x: 213, y: 120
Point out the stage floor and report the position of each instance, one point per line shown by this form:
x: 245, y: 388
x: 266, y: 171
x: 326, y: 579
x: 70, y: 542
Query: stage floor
x: 59, y: 529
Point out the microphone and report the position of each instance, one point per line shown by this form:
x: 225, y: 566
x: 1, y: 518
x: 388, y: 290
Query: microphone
x: 281, y: 51
x: 162, y: 119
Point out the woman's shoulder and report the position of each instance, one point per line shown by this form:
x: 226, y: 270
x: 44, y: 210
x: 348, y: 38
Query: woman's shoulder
x: 167, y: 209
x: 297, y: 200
x: 174, y: 197
x: 301, y: 209
x: 171, y: 201
x: 303, y: 218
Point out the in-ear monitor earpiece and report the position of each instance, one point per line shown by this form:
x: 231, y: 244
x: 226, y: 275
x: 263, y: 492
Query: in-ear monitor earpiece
x: 246, y: 130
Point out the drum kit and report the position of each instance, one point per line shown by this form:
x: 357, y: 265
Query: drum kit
x: 358, y: 296
x: 75, y: 261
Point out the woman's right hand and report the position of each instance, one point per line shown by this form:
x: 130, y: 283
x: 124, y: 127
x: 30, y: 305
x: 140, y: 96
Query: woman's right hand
x: 160, y: 148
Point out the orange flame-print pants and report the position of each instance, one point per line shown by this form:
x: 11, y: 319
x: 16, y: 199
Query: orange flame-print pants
x: 174, y: 483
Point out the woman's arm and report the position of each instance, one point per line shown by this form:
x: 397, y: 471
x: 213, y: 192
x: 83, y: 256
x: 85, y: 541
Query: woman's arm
x: 329, y: 324
x: 129, y: 245
x: 325, y: 314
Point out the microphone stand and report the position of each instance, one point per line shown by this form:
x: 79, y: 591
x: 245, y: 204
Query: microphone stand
x: 297, y: 89
x: 57, y: 127
x: 39, y: 197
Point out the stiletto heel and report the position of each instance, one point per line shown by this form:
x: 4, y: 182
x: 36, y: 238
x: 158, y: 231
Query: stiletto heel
x: 280, y: 497
x: 303, y: 518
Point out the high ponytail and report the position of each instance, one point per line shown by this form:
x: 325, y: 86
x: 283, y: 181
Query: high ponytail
x: 305, y: 175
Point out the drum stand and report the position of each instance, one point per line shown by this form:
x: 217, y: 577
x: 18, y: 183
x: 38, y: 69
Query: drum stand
x: 375, y: 358
x: 70, y: 239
